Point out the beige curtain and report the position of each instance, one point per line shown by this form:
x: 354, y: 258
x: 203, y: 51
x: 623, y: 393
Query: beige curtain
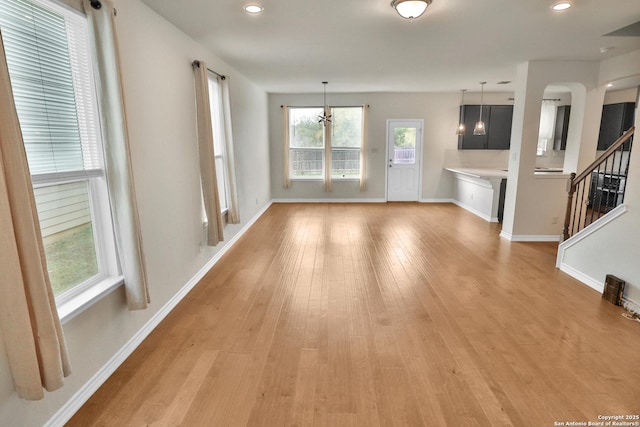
x: 233, y: 216
x: 31, y: 328
x: 327, y: 152
x: 363, y: 148
x: 117, y: 158
x: 285, y: 147
x: 207, y: 156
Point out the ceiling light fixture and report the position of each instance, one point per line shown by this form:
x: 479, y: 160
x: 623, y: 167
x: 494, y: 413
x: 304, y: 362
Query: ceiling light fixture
x: 563, y: 5
x: 325, y: 118
x: 410, y: 9
x: 462, y: 129
x: 479, y: 129
x: 253, y: 8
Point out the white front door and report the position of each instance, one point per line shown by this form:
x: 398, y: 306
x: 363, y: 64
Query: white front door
x: 404, y: 154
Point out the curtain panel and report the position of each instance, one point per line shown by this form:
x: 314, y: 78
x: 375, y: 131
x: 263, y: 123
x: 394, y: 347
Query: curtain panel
x: 286, y: 171
x: 327, y: 152
x: 31, y: 328
x: 117, y: 153
x: 208, y: 178
x: 363, y: 148
x: 233, y: 216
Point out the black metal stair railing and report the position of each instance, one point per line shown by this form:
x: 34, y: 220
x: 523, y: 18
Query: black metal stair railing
x: 599, y: 188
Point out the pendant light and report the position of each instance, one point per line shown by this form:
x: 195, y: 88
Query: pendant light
x: 325, y: 118
x: 462, y: 129
x: 479, y: 129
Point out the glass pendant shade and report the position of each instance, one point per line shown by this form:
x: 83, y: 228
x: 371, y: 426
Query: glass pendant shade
x: 462, y: 128
x: 410, y: 9
x: 480, y: 129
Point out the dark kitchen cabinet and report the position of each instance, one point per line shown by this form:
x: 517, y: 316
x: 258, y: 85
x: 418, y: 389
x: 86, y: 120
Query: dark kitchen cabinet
x: 499, y: 128
x: 497, y: 120
x: 616, y: 119
x: 606, y: 191
x: 562, y: 127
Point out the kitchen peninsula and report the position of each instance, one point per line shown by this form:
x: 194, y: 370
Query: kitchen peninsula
x: 480, y: 191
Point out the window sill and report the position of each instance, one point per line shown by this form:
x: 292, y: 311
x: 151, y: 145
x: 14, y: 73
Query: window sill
x: 76, y: 305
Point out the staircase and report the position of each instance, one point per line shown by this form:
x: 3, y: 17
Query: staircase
x: 599, y: 188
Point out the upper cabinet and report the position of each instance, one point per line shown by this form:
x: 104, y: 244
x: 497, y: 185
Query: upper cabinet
x: 497, y: 119
x: 616, y: 119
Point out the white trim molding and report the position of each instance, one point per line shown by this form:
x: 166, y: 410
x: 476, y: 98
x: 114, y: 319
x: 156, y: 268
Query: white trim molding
x: 598, y: 285
x: 587, y: 231
x: 631, y: 305
x: 530, y: 238
x: 65, y: 413
x: 436, y: 201
x: 475, y: 211
x: 580, y: 276
x: 331, y: 200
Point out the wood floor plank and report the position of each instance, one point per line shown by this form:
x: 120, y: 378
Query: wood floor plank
x: 394, y: 314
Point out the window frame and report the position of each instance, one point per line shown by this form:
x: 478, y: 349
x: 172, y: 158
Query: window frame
x: 109, y: 276
x: 323, y: 149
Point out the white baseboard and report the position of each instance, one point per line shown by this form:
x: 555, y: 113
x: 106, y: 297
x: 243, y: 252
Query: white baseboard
x: 631, y: 305
x: 476, y: 212
x: 332, y: 200
x: 530, y: 237
x: 65, y: 413
x: 587, y: 280
x: 436, y: 201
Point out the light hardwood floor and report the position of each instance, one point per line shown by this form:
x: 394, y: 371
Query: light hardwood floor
x: 379, y: 315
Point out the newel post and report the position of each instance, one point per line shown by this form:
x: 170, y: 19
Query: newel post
x: 571, y: 188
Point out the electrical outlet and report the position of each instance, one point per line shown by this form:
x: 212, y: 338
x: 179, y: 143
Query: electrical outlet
x: 554, y: 220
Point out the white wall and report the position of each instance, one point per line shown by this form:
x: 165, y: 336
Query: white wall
x: 159, y: 97
x: 614, y: 249
x: 440, y: 112
x: 532, y: 205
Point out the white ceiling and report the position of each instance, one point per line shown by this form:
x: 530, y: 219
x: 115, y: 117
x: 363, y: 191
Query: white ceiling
x: 365, y: 46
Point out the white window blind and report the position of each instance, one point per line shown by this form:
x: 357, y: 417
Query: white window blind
x: 48, y: 50
x: 54, y: 94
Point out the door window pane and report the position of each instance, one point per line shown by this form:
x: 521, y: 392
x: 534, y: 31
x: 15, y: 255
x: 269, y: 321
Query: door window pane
x: 404, y: 143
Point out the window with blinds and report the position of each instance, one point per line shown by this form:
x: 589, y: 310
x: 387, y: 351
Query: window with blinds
x: 49, y: 59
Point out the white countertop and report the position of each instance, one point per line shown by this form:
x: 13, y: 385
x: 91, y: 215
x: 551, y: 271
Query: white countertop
x: 483, y: 173
x: 491, y: 173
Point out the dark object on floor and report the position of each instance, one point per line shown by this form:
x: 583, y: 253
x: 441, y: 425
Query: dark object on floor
x: 613, y: 289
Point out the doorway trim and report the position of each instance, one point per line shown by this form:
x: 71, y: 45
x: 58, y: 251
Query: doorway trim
x: 419, y: 141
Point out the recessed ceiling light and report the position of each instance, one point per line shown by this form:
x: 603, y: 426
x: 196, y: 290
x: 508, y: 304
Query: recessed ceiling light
x: 253, y: 8
x: 609, y: 84
x: 563, y: 5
